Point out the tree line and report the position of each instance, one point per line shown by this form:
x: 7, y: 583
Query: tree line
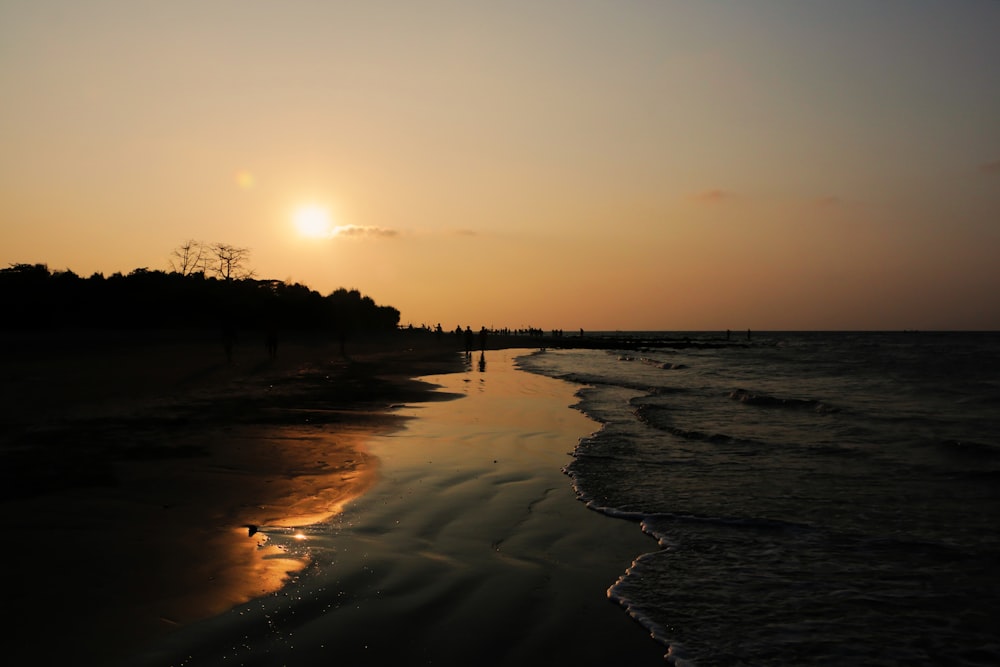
x: 195, y: 295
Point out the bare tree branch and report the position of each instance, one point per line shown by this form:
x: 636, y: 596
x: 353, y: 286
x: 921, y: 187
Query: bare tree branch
x: 188, y: 258
x: 230, y: 262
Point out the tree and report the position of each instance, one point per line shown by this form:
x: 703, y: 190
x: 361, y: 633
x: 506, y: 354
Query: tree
x: 230, y: 262
x: 32, y: 297
x: 189, y: 257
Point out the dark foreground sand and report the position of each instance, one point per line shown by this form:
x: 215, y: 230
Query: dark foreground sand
x: 435, y: 532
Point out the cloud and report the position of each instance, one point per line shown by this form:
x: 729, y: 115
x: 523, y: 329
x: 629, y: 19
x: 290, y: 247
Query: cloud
x: 990, y: 167
x: 714, y: 196
x: 356, y: 231
x: 367, y: 232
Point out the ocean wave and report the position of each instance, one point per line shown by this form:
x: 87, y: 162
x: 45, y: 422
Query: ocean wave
x: 760, y: 399
x: 879, y: 520
x: 665, y: 365
x: 863, y: 596
x: 627, y: 456
x: 658, y: 418
x: 676, y: 654
x: 658, y: 524
x: 619, y: 383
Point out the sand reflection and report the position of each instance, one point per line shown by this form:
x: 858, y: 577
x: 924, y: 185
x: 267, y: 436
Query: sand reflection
x: 183, y: 523
x: 297, y: 478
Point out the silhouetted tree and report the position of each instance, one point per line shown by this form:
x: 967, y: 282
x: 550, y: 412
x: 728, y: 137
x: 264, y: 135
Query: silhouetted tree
x: 32, y: 297
x: 230, y: 262
x: 189, y: 257
x: 24, y: 295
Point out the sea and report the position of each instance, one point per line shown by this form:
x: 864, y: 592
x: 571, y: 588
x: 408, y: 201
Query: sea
x: 811, y: 498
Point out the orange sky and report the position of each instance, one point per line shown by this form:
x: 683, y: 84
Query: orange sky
x: 636, y: 165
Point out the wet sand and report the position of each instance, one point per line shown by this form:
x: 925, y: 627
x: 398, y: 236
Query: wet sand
x: 470, y: 549
x: 310, y: 510
x: 132, y: 469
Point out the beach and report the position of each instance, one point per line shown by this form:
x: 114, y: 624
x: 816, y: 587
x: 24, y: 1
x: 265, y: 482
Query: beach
x: 132, y: 466
x: 321, y: 509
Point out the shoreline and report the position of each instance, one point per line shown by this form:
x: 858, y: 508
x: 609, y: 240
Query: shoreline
x: 470, y: 548
x: 160, y: 508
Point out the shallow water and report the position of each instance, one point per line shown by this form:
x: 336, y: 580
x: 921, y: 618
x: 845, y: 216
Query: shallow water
x: 818, y: 498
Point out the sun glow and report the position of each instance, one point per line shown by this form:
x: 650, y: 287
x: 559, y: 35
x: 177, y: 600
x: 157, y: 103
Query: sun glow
x: 313, y: 221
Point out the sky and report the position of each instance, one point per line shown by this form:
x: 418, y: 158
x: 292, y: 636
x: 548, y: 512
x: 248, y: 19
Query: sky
x: 627, y: 165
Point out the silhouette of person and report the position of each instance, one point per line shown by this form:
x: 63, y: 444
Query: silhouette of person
x: 482, y: 339
x: 468, y: 341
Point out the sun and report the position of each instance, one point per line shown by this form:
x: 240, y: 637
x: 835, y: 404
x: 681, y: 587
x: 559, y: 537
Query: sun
x: 312, y: 221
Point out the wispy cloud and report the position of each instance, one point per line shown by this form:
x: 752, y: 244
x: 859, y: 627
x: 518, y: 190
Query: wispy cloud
x: 714, y: 196
x: 357, y: 231
x: 371, y: 232
x: 990, y: 167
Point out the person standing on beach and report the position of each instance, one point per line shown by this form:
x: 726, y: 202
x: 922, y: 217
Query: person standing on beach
x: 468, y: 341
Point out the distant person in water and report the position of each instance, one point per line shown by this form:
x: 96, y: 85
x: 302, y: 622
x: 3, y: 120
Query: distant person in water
x: 482, y: 339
